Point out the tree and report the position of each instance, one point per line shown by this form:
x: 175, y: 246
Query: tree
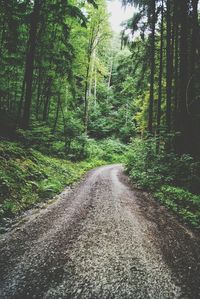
x: 169, y: 65
x: 29, y: 66
x: 98, y: 32
x: 152, y: 18
x: 160, y: 72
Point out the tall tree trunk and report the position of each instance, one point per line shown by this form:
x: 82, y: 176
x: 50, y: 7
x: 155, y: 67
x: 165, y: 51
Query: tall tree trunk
x: 195, y: 37
x: 2, y: 40
x: 169, y: 66
x: 193, y: 92
x: 86, y: 100
x: 57, y: 114
x: 93, y: 57
x: 95, y: 87
x: 19, y: 114
x: 29, y: 67
x: 160, y: 74
x: 39, y: 89
x: 14, y: 101
x: 110, y: 73
x: 47, y: 100
x: 176, y: 61
x: 183, y: 124
x: 93, y: 42
x: 152, y: 61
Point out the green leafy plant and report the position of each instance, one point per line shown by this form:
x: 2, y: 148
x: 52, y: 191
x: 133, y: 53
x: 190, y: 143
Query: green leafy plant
x: 171, y: 178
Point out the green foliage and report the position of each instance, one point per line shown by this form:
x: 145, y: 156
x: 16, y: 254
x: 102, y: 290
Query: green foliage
x: 145, y: 166
x: 38, y: 135
x: 167, y: 175
x: 27, y: 176
x: 108, y: 150
x: 152, y: 168
x: 181, y: 201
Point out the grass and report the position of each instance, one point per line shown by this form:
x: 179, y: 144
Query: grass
x: 28, y: 176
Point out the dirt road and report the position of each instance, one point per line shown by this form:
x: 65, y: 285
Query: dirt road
x: 102, y: 239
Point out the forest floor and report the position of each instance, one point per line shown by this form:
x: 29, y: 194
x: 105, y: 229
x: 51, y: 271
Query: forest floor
x: 101, y: 239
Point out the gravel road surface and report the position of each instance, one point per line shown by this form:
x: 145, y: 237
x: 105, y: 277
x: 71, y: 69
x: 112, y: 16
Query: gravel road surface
x: 101, y: 239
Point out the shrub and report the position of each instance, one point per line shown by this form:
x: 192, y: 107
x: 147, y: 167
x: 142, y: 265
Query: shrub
x: 151, y: 169
x: 181, y: 201
x: 171, y: 178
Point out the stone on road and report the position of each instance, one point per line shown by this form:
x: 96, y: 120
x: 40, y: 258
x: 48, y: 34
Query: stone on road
x: 102, y: 239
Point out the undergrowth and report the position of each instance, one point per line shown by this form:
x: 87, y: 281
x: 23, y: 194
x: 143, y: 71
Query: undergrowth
x: 173, y: 180
x: 28, y: 176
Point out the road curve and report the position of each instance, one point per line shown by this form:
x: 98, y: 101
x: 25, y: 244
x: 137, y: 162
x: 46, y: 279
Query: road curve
x: 102, y: 239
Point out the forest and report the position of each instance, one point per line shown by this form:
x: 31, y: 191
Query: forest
x: 75, y: 95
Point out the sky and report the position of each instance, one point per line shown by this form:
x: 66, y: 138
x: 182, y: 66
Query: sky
x: 118, y: 14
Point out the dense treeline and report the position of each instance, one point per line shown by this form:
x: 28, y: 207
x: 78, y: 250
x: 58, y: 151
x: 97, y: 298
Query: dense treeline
x: 57, y: 60
x: 49, y: 52
x: 167, y: 47
x: 163, y: 37
x: 58, y: 69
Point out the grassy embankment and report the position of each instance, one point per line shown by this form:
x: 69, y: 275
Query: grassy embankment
x: 28, y: 176
x: 173, y: 180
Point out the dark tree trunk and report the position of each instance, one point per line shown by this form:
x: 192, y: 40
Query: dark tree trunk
x: 29, y: 67
x: 152, y: 17
x: 47, y: 100
x: 192, y: 92
x: 2, y: 42
x: 160, y: 74
x: 169, y: 66
x: 195, y: 37
x: 176, y: 61
x: 14, y: 102
x: 19, y: 115
x: 57, y: 114
x: 183, y: 144
x: 39, y: 89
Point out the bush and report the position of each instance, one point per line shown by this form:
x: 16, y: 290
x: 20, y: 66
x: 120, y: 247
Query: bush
x: 151, y: 169
x: 181, y: 201
x: 39, y: 136
x: 171, y: 178
x: 108, y: 150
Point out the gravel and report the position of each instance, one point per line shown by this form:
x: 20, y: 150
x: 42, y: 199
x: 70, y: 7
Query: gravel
x: 101, y: 239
